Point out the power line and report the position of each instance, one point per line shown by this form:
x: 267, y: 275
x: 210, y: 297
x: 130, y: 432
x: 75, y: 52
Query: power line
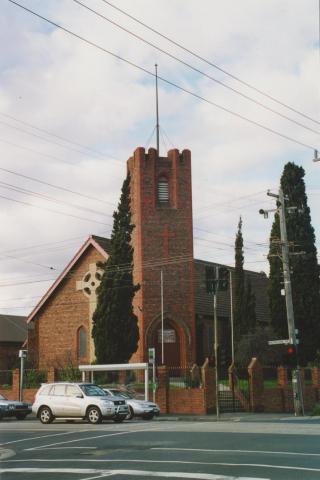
x: 35, y: 151
x: 19, y: 129
x: 168, y: 82
x: 25, y: 191
x: 219, y: 82
x: 64, y: 139
x: 199, y: 57
x: 57, y: 186
x: 54, y: 211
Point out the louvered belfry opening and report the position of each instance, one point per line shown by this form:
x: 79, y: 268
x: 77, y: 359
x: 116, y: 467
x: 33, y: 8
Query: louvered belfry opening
x: 163, y: 189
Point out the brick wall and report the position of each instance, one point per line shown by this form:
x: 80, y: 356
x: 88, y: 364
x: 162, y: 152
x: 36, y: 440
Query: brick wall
x: 53, y: 342
x: 162, y: 234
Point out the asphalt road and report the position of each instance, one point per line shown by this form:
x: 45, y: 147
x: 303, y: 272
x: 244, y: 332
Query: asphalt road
x: 244, y: 449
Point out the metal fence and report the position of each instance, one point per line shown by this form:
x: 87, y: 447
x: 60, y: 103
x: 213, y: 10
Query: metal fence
x: 70, y: 374
x: 34, y: 378
x: 184, y: 377
x: 6, y: 377
x: 233, y: 390
x: 270, y: 377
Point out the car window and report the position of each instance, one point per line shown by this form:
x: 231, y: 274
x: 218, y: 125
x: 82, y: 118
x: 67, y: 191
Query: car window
x: 121, y: 393
x: 93, y: 390
x: 45, y: 390
x: 58, y: 390
x: 72, y: 391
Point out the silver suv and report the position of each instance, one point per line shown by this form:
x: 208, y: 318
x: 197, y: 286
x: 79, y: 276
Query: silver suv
x: 77, y: 400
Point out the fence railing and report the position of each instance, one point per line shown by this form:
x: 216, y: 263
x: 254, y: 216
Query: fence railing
x: 270, y: 377
x: 6, y: 377
x: 34, y: 378
x: 184, y: 377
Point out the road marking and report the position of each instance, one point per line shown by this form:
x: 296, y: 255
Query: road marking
x: 68, y: 448
x: 92, y: 438
x: 6, y: 453
x: 136, y: 473
x: 265, y: 452
x: 42, y: 436
x: 180, y: 462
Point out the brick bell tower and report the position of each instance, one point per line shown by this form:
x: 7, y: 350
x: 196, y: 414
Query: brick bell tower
x: 161, y: 203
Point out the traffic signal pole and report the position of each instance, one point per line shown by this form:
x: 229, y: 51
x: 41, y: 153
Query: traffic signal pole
x: 216, y: 341
x: 296, y: 379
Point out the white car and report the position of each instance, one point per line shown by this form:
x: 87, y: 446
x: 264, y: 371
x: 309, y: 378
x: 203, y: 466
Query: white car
x: 138, y: 408
x: 77, y: 400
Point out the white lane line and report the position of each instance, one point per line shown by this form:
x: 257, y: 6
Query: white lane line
x: 218, y: 450
x: 42, y: 436
x: 6, y: 453
x: 92, y: 438
x: 180, y: 462
x: 136, y: 473
x: 69, y: 448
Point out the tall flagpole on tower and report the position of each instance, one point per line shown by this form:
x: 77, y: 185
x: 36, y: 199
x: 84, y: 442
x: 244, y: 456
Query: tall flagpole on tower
x: 157, y: 111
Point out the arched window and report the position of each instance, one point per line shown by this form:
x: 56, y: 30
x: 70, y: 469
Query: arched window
x: 82, y: 342
x: 163, y: 189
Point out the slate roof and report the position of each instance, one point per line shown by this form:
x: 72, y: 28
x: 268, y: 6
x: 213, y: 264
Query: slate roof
x: 204, y: 301
x: 13, y: 328
x: 104, y: 243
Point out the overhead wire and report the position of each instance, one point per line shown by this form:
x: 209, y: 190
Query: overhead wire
x: 27, y: 149
x: 54, y: 211
x: 89, y: 197
x: 214, y: 65
x: 195, y: 69
x: 47, y: 132
x: 25, y: 191
x: 166, y: 81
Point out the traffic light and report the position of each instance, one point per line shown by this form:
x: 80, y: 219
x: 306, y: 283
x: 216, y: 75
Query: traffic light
x: 211, y: 280
x: 290, y: 358
x: 223, y: 278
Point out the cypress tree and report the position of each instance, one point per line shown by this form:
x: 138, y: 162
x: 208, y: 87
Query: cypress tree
x: 244, y: 303
x: 238, y: 312
x: 303, y: 266
x: 115, y: 327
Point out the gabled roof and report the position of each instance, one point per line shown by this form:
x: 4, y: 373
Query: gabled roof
x: 99, y: 243
x: 13, y: 328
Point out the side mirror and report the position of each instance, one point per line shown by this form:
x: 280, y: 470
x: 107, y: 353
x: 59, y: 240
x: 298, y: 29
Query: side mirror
x: 79, y: 395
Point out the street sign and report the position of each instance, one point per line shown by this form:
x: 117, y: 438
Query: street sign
x: 151, y: 355
x: 279, y: 342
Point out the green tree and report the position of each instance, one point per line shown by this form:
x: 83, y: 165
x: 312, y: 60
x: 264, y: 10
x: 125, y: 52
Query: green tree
x: 244, y: 298
x: 115, y: 326
x: 303, y: 266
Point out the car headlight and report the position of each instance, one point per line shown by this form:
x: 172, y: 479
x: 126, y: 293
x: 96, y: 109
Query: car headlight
x: 108, y: 403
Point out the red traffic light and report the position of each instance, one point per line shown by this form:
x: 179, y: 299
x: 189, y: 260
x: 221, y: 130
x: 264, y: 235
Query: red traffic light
x: 290, y: 358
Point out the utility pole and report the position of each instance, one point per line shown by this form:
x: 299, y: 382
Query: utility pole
x: 162, y: 318
x: 216, y: 344
x: 296, y: 380
x: 157, y: 112
x: 231, y: 316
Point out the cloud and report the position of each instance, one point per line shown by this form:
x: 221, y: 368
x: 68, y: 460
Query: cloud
x: 64, y: 86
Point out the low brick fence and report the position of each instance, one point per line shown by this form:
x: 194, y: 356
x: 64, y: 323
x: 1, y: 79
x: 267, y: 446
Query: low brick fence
x: 197, y: 395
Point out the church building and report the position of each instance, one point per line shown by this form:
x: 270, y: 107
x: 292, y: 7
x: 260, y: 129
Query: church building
x: 172, y: 283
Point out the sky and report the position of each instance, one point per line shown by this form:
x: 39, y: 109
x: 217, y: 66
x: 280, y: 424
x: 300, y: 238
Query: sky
x: 71, y: 115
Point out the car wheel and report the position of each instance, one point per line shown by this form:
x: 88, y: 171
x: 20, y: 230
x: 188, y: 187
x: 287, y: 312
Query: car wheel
x: 45, y: 415
x: 130, y: 414
x: 148, y: 417
x: 21, y: 416
x: 119, y: 419
x: 94, y: 415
